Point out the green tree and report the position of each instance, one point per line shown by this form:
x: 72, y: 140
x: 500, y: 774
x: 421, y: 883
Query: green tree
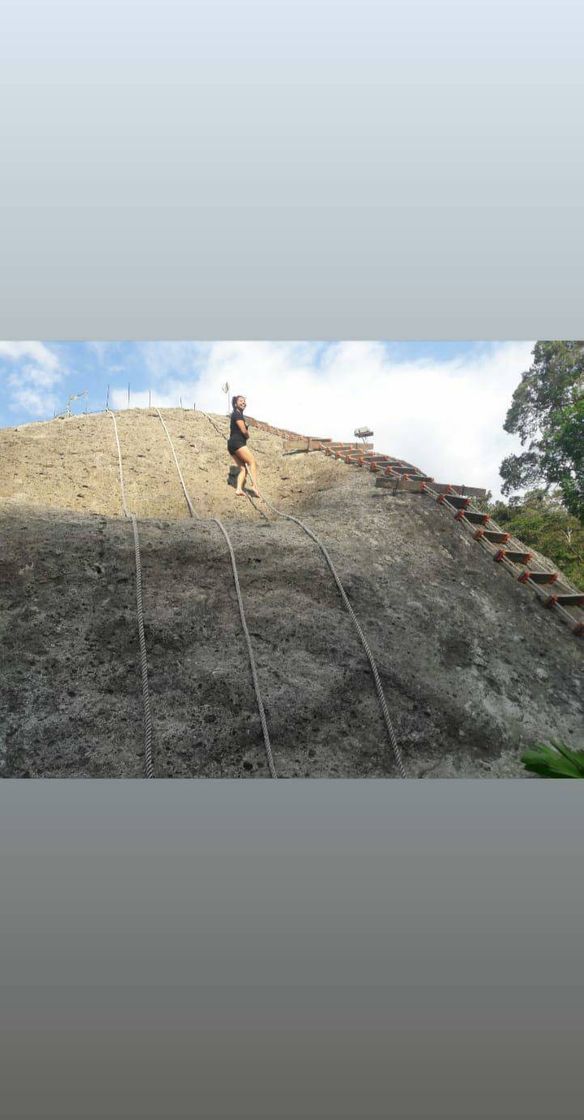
x: 547, y: 413
x: 541, y: 521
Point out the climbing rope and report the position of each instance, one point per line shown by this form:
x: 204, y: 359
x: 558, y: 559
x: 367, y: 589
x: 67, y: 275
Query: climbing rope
x: 379, y: 688
x: 143, y: 658
x: 188, y: 500
x: 124, y: 506
x: 250, y: 652
x: 214, y: 425
x: 140, y: 608
x: 254, y: 674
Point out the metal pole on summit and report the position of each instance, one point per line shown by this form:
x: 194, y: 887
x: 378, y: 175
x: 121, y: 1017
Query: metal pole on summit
x: 107, y: 400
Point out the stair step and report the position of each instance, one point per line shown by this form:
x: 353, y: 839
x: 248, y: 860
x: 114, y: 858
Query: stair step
x: 467, y: 491
x: 388, y: 482
x: 514, y: 557
x: 459, y: 501
x: 397, y: 479
x: 346, y: 453
x: 569, y: 599
x: 495, y: 537
x: 356, y: 462
x: 309, y: 444
x: 399, y: 484
x: 473, y: 516
x: 539, y: 577
x: 361, y: 447
x: 370, y: 453
x: 377, y: 457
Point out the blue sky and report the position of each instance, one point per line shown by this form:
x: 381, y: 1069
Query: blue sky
x: 439, y: 404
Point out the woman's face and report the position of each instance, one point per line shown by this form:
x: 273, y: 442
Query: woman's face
x: 241, y: 403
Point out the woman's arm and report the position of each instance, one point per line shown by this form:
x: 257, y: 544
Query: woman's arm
x: 242, y: 427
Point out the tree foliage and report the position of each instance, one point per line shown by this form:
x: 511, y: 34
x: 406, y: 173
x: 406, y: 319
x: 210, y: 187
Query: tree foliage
x: 541, y: 521
x: 547, y: 413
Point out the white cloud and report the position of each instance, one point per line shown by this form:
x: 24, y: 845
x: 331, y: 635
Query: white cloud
x: 105, y: 352
x: 34, y: 402
x: 33, y: 375
x: 444, y: 416
x: 27, y: 368
x: 100, y: 349
x: 37, y: 350
x: 184, y: 358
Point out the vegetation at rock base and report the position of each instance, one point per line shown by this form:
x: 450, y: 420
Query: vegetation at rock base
x: 554, y: 760
x: 540, y: 521
x: 547, y: 413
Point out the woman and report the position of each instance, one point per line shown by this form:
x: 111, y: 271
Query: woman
x: 236, y: 446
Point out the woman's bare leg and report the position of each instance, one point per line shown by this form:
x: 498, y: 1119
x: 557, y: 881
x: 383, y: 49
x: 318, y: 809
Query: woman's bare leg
x: 240, y: 476
x: 249, y: 465
x: 240, y: 482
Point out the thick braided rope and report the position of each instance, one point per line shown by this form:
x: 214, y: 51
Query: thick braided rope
x: 254, y: 674
x: 214, y: 425
x: 140, y: 609
x: 143, y: 656
x: 382, y: 701
x: 250, y: 652
x: 124, y: 506
x: 188, y: 500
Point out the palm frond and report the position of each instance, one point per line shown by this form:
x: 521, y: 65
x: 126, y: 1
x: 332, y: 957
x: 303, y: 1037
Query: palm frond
x: 554, y: 760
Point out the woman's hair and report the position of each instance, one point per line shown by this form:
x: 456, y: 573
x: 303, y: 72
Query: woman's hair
x: 235, y: 399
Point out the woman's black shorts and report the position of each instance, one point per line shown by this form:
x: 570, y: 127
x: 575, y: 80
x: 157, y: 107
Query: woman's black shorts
x: 235, y: 444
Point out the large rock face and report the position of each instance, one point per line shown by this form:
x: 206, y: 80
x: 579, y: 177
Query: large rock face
x: 473, y: 669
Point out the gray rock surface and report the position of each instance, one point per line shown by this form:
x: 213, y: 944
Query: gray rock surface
x: 473, y: 669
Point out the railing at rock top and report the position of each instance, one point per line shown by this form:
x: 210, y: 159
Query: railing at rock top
x: 296, y: 441
x: 284, y: 433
